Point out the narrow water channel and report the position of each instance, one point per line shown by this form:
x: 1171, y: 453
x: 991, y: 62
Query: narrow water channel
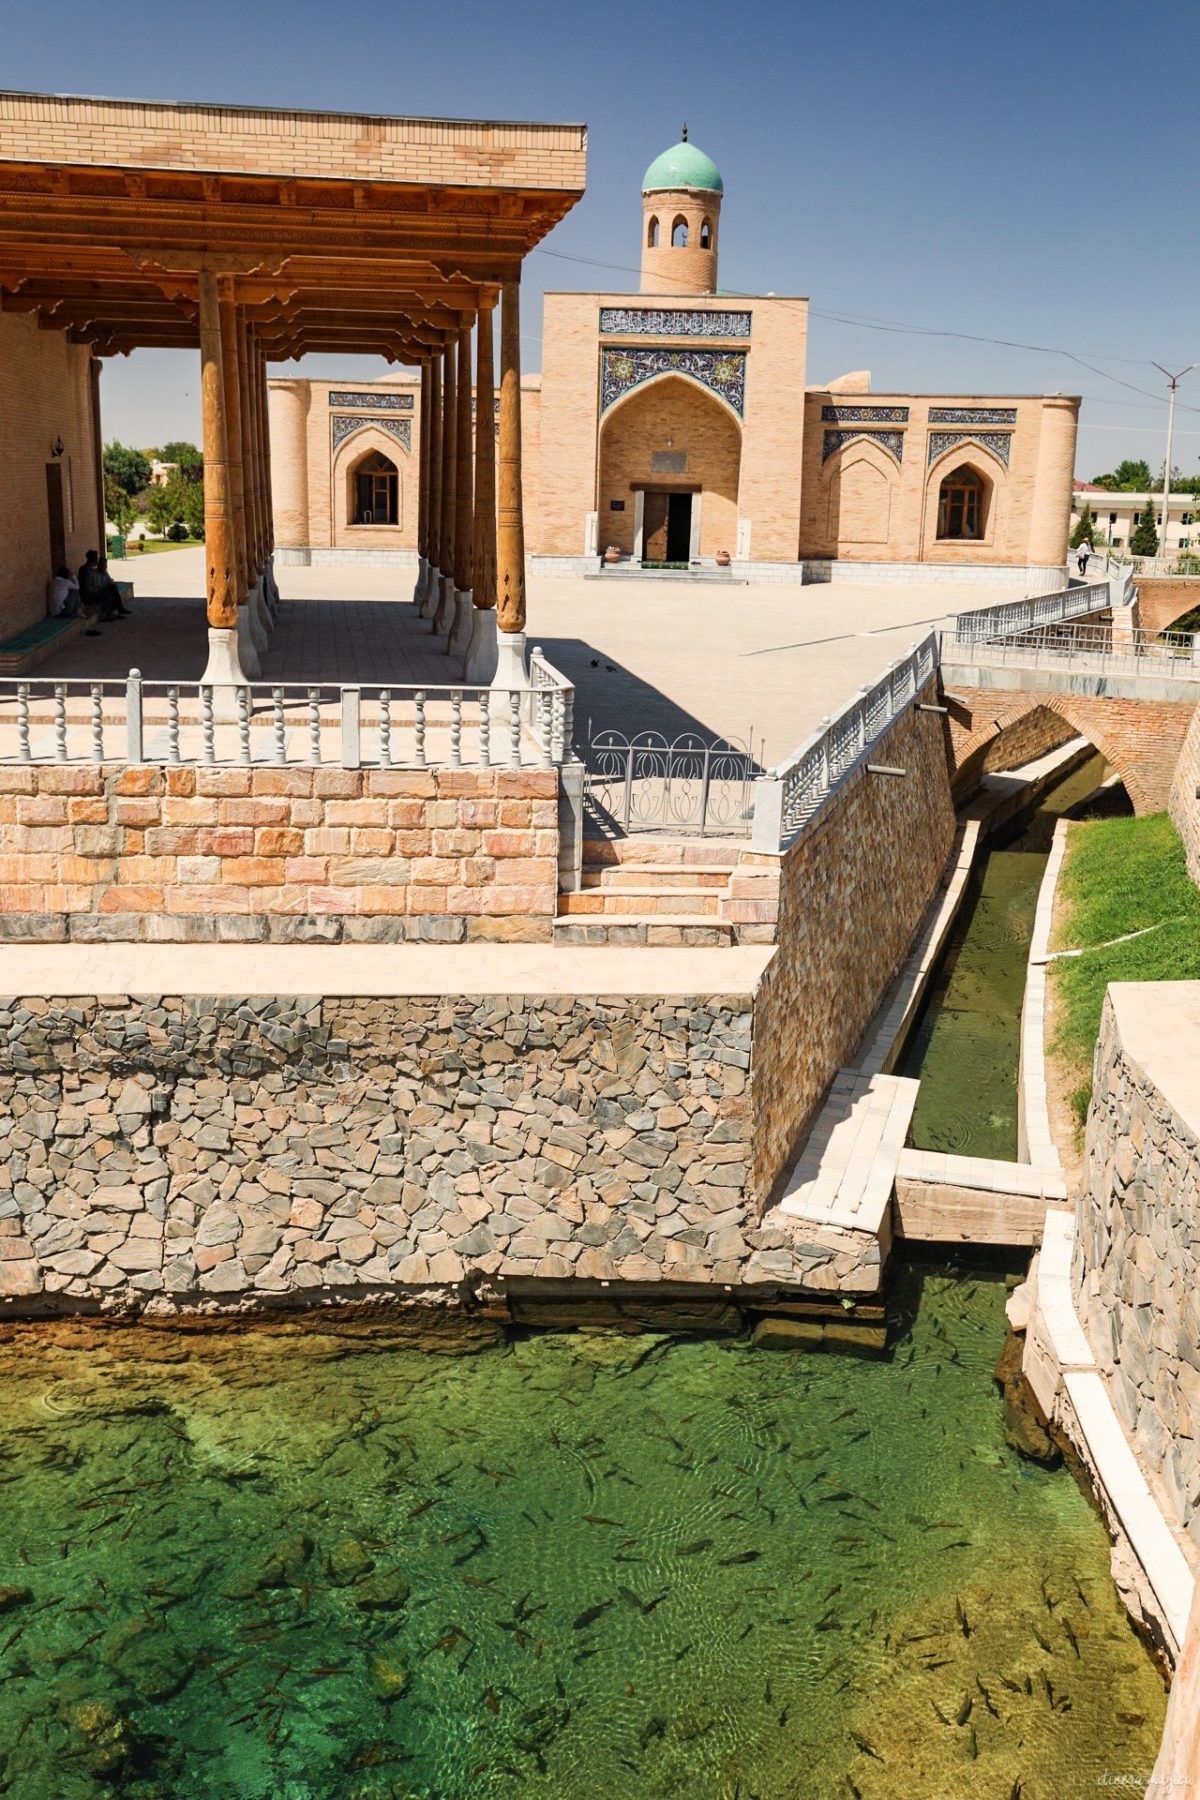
x: 316, y: 1562
x: 966, y: 1045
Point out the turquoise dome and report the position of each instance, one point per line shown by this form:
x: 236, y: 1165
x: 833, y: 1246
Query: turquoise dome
x: 683, y: 166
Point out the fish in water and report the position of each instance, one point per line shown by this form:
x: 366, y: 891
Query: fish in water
x: 595, y: 1519
x: 1041, y: 1640
x: 1070, y: 1637
x: 964, y: 1711
x: 964, y: 1624
x: 862, y: 1744
x: 941, y: 1715
x: 745, y: 1556
x: 653, y: 1728
x: 591, y: 1615
x: 987, y: 1698
x: 645, y: 1607
x: 696, y: 1548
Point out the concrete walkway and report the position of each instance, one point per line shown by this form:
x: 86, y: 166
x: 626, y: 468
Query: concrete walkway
x: 669, y: 656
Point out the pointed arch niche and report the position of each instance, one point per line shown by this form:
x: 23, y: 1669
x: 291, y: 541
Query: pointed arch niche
x: 859, y: 487
x: 966, y: 504
x: 670, y: 436
x: 373, y: 473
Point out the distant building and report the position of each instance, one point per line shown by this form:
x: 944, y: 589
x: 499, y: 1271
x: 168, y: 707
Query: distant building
x: 1117, y: 515
x: 161, y: 472
x: 677, y: 426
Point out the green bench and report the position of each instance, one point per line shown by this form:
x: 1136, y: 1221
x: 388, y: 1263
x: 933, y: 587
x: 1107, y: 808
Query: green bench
x: 24, y: 650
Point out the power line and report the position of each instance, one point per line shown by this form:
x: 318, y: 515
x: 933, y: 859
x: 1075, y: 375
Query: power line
x: 894, y: 327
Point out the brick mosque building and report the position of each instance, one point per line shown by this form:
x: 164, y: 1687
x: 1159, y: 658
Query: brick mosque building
x: 677, y: 427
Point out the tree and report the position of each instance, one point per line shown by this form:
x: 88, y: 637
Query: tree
x: 1087, y: 530
x: 118, y: 506
x: 166, y: 505
x: 1144, y: 541
x: 1127, y: 478
x: 127, y: 466
x: 188, y: 459
x: 193, y: 508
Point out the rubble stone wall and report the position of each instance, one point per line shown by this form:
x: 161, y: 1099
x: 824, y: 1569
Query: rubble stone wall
x: 184, y: 1152
x: 1136, y: 1271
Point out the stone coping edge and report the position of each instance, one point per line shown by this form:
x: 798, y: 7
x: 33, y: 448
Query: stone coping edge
x: 1112, y: 1461
x: 1035, y: 1140
x: 379, y: 971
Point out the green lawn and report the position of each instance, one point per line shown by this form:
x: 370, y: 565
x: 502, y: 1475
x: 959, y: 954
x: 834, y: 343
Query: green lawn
x: 154, y: 546
x: 1120, y: 875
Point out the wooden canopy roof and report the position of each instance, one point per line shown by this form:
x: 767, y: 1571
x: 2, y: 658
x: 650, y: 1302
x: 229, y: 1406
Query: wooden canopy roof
x: 342, y: 232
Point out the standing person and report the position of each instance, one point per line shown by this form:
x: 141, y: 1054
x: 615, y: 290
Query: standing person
x: 62, y: 595
x: 1082, y: 555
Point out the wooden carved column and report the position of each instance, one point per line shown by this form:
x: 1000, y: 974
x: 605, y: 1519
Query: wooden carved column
x: 433, y: 527
x: 464, y: 502
x: 422, y: 487
x: 230, y: 363
x: 441, y: 619
x: 510, y: 523
x: 265, y: 417
x: 245, y: 408
x: 218, y: 525
x: 480, y: 665
x: 94, y: 368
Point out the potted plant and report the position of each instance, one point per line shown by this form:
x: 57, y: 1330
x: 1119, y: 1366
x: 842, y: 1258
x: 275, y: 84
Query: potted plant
x: 723, y: 559
x: 612, y: 554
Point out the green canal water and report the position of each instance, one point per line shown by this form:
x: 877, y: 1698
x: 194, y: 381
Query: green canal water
x: 317, y: 1562
x: 966, y: 1048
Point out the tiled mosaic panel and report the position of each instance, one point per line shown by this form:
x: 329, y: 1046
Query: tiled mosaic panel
x: 998, y: 442
x: 722, y: 372
x: 367, y: 402
x: 972, y: 415
x: 864, y: 415
x: 891, y: 441
x: 346, y: 424
x: 647, y: 321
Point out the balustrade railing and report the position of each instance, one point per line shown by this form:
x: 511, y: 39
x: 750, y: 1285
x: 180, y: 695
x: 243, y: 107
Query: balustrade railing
x: 1117, y: 649
x: 788, y: 797
x: 986, y: 623
x: 348, y: 726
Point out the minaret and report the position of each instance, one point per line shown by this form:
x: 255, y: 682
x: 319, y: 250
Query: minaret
x: 681, y: 215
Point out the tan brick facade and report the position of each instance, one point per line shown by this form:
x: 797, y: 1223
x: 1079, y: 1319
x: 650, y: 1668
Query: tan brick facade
x: 45, y: 395
x: 183, y: 854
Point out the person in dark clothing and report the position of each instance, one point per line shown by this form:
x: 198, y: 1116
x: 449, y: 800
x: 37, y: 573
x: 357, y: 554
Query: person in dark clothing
x: 98, y: 588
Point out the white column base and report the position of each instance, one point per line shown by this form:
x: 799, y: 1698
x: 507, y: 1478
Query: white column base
x: 422, y: 582
x: 246, y: 650
x: 479, y: 665
x: 444, y: 615
x: 260, y: 635
x: 510, y: 660
x: 460, y: 629
x: 224, y: 667
x: 433, y: 592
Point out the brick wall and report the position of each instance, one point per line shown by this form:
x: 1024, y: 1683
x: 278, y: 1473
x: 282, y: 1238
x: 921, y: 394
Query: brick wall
x: 1184, y: 801
x: 852, y: 892
x: 860, y: 504
x: 96, y: 853
x: 698, y: 426
x: 1163, y: 599
x: 45, y: 394
x: 1141, y: 739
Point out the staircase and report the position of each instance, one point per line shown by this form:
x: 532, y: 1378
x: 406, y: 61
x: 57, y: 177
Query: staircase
x: 641, y: 891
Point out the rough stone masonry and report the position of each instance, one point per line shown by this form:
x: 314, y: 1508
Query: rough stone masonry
x: 169, y: 1153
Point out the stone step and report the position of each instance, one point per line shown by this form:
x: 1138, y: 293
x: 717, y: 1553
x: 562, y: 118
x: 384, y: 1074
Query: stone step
x: 846, y: 1172
x: 704, y: 903
x: 656, y: 875
x: 670, y: 930
x: 707, y: 853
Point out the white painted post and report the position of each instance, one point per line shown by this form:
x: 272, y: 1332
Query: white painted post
x: 133, y: 716
x: 351, y: 715
x: 767, y: 829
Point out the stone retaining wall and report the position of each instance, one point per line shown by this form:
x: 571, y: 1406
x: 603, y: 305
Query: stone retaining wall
x: 287, y: 855
x: 853, y: 890
x: 1185, y: 797
x: 1136, y: 1272
x: 184, y: 1152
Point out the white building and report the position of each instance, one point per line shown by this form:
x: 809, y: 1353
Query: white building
x: 1116, y: 516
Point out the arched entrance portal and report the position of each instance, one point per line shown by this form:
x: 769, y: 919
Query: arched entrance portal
x: 374, y: 491
x: 670, y: 459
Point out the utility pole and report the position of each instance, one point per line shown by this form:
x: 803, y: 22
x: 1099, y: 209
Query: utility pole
x: 1174, y: 381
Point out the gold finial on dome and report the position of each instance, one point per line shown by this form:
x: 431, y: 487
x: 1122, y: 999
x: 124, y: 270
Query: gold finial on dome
x: 684, y: 138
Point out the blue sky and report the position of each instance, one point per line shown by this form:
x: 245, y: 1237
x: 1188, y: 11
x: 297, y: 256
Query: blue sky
x: 1021, y: 172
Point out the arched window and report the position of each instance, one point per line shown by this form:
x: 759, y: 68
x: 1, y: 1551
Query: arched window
x: 679, y: 234
x: 376, y: 491
x: 705, y: 235
x: 652, y: 235
x: 962, y: 504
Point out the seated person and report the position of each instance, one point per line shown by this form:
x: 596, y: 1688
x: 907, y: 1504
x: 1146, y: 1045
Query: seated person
x: 62, y: 595
x: 97, y: 588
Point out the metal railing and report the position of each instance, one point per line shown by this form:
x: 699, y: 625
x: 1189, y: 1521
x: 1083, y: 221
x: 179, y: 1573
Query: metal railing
x: 989, y: 622
x: 347, y: 726
x: 1119, y: 650
x: 788, y: 797
x: 685, y: 784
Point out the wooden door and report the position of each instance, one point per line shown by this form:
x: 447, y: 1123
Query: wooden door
x: 654, y: 527
x: 56, y: 516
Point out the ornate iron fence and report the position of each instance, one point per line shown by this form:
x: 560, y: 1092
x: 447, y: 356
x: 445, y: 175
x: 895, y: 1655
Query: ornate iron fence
x: 682, y: 785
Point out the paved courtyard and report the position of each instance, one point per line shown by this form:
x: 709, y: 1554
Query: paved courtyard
x: 727, y: 661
